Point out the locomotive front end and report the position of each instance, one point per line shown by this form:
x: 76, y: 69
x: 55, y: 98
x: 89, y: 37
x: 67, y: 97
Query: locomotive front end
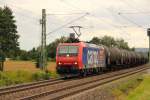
x: 67, y: 58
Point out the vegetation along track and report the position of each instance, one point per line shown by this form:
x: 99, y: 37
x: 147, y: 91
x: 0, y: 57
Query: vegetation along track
x: 61, y: 88
x: 84, y: 85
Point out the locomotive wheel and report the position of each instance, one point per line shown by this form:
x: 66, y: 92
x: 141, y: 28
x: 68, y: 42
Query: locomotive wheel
x: 83, y: 73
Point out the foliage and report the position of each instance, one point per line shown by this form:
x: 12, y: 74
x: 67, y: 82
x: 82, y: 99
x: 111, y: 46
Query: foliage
x: 54, y: 74
x: 24, y: 55
x: 95, y: 40
x: 134, y: 89
x: 33, y: 54
x: 120, y: 43
x: 8, y: 38
x: 51, y: 48
x: 122, y: 91
x: 142, y: 92
x: 110, y: 42
x: 41, y: 75
x: 27, y: 55
x: 17, y: 77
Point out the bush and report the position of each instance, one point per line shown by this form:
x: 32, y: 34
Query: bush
x: 16, y: 77
x: 41, y: 76
x: 54, y: 74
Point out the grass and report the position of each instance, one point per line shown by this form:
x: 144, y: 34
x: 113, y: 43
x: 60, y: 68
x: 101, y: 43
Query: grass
x: 17, y: 77
x: 142, y: 92
x: 134, y: 89
x: 16, y: 72
x: 123, y: 90
x: 26, y: 66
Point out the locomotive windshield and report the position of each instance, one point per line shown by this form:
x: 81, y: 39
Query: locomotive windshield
x: 62, y: 50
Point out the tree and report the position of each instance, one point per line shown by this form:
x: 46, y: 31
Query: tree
x: 24, y: 55
x: 108, y: 41
x: 120, y: 43
x: 95, y: 40
x: 111, y: 42
x: 8, y: 38
x: 33, y: 54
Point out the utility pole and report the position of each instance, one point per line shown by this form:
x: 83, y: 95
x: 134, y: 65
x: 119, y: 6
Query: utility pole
x: 148, y: 33
x: 43, y: 52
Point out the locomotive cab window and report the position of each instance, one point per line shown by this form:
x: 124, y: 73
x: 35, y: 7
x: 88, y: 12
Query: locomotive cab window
x: 71, y: 50
x: 63, y: 49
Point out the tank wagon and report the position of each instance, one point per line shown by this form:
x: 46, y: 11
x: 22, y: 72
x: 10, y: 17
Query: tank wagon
x: 82, y: 58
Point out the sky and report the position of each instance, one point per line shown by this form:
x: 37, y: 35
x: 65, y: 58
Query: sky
x: 126, y: 19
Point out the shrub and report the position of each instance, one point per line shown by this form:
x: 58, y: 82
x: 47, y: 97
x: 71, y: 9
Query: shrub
x: 41, y: 76
x: 16, y: 77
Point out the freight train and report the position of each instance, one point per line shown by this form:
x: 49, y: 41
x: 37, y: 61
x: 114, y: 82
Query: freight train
x: 83, y: 58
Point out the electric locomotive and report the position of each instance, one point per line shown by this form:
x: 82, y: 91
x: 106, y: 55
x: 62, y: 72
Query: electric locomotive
x: 83, y: 58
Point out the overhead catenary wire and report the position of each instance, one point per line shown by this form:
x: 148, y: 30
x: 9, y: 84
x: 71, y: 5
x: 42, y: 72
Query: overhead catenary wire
x: 146, y: 12
x: 72, y: 6
x: 129, y: 20
x: 22, y: 10
x: 131, y: 6
x: 112, y: 25
x: 64, y: 14
x: 139, y: 11
x: 123, y: 26
x: 76, y: 19
x: 28, y: 17
x: 75, y: 7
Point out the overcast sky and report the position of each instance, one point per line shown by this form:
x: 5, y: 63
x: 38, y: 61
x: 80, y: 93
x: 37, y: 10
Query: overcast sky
x: 127, y: 19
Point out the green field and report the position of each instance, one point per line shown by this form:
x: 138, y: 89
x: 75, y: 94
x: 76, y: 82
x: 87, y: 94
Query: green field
x: 136, y: 89
x: 142, y: 92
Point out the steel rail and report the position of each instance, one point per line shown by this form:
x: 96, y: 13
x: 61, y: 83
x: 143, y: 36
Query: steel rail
x: 115, y: 77
x: 21, y: 87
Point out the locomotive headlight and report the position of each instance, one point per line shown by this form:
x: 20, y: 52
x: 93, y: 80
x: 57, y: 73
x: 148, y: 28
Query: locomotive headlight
x: 59, y: 63
x: 75, y: 63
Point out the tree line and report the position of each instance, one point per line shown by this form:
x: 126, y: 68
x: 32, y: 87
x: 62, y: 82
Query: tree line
x: 105, y: 40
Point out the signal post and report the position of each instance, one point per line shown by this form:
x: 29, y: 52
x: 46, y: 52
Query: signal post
x: 148, y: 33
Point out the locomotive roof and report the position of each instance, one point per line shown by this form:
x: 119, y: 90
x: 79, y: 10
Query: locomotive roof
x: 83, y: 43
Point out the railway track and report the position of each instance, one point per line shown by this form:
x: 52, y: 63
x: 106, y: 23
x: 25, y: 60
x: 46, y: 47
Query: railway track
x: 12, y: 88
x: 22, y: 87
x: 25, y: 86
x: 57, y: 89
x: 76, y: 88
